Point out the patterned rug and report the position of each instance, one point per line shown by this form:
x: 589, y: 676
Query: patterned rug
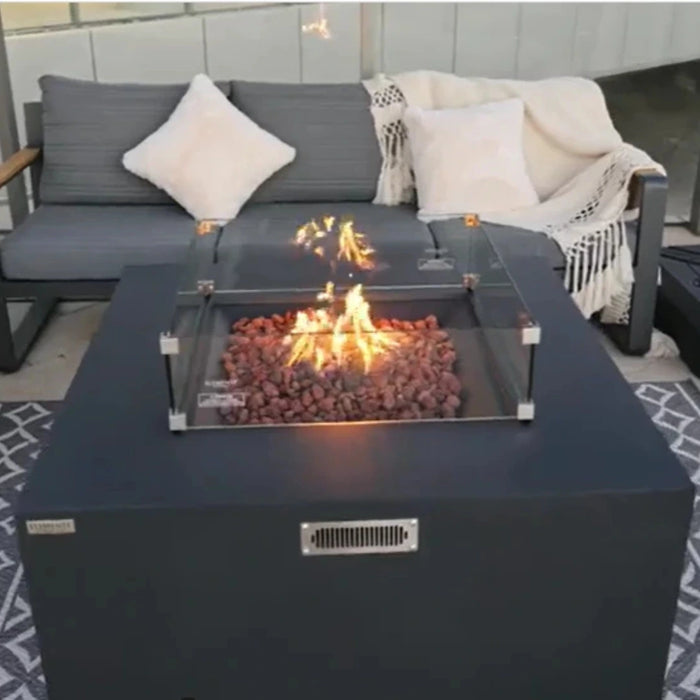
x: 24, y: 428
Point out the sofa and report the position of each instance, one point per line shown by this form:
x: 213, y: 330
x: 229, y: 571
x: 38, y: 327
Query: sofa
x: 91, y: 217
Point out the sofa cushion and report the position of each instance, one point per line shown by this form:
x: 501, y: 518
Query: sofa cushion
x: 260, y: 240
x: 88, y: 127
x: 73, y: 242
x: 331, y: 127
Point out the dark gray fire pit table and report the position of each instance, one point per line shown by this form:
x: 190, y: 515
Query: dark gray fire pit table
x: 170, y: 568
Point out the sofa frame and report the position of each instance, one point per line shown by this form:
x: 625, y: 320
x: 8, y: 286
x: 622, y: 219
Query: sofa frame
x: 648, y: 192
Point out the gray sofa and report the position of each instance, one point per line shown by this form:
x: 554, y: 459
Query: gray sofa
x: 92, y: 217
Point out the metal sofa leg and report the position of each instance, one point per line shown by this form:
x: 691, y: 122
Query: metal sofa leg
x: 15, y: 346
x: 635, y: 338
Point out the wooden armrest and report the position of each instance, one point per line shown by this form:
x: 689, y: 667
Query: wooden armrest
x: 16, y: 163
x: 636, y: 186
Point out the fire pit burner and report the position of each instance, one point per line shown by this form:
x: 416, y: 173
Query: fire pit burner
x: 412, y: 379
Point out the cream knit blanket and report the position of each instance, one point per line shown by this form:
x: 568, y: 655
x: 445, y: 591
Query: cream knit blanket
x: 578, y: 163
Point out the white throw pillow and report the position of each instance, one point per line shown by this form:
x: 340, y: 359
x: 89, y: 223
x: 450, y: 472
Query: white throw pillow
x: 209, y: 156
x: 469, y: 160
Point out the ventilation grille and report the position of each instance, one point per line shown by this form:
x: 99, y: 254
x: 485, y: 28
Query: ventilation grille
x: 359, y: 537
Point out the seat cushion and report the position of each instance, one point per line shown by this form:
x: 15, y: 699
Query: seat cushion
x: 88, y: 127
x: 331, y: 127
x: 74, y: 242
x: 260, y: 241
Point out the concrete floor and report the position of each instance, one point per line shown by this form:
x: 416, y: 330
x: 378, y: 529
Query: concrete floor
x: 52, y: 364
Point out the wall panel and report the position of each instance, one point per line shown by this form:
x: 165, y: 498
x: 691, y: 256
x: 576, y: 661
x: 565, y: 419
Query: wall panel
x: 685, y: 31
x: 648, y: 34
x: 546, y: 40
x: 599, y: 41
x: 487, y: 39
x: 334, y: 60
x: 255, y: 44
x: 418, y: 35
x: 159, y: 51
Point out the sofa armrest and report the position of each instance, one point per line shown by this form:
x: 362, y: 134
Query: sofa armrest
x: 639, y: 181
x: 16, y: 163
x: 647, y: 193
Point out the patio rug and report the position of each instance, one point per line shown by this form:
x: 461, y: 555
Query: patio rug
x: 25, y: 427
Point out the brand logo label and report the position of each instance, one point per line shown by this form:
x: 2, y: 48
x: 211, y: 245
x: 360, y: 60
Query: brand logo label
x: 221, y: 400
x: 51, y: 527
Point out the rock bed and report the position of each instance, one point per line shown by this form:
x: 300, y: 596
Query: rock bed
x: 413, y: 380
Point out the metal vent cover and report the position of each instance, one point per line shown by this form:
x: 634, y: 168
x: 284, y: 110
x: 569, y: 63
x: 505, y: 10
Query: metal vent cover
x: 359, y: 537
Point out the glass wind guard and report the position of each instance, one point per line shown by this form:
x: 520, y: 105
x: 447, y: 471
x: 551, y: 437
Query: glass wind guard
x: 434, y: 335
x: 199, y: 264
x: 180, y: 342
x: 509, y: 329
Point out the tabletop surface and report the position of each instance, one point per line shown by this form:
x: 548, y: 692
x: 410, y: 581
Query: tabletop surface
x: 111, y: 447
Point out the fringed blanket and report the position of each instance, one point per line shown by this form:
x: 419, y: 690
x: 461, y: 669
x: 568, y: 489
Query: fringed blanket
x: 578, y: 163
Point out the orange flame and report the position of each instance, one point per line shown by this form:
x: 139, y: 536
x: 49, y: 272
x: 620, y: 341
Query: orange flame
x: 322, y: 336
x: 352, y: 246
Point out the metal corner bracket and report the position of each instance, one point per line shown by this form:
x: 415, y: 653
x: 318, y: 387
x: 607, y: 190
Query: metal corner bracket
x: 177, y: 422
x: 526, y: 411
x: 531, y: 334
x: 470, y: 280
x: 205, y: 287
x: 169, y: 344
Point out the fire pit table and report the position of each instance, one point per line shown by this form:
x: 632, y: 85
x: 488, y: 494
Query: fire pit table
x: 426, y: 557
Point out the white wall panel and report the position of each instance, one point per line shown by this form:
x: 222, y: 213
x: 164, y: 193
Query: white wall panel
x: 418, y: 35
x: 685, y: 31
x: 599, y: 41
x: 255, y: 44
x: 648, y: 35
x: 487, y: 39
x: 334, y: 60
x: 158, y: 51
x: 546, y: 44
x: 33, y: 55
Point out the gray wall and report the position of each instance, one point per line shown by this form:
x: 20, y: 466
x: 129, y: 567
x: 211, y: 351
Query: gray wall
x: 523, y: 40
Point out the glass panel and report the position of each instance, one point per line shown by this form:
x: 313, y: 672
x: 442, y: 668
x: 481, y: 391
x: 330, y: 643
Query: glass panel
x: 200, y: 263
x: 100, y: 11
x: 501, y: 312
x: 188, y: 326
x: 26, y: 15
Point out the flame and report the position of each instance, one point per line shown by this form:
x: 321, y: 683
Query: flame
x: 321, y: 336
x: 349, y: 245
x: 318, y: 26
x: 354, y: 247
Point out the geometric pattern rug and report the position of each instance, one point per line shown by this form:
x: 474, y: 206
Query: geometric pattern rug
x: 674, y: 407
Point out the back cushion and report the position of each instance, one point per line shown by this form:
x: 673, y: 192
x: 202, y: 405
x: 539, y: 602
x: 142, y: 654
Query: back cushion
x: 331, y: 127
x: 88, y: 126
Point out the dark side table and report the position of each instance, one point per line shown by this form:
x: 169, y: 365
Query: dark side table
x: 678, y: 302
x: 170, y: 568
